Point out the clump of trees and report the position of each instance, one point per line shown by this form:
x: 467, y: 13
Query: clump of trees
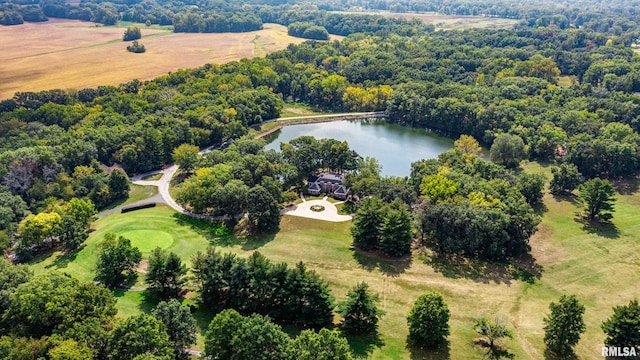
x: 117, y: 261
x: 136, y: 47
x: 255, y: 285
x: 308, y: 31
x: 233, y: 336
x: 132, y: 33
x: 385, y: 228
x: 474, y: 208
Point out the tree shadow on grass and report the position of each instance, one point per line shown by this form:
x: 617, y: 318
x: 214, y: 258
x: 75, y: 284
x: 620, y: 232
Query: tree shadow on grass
x: 549, y: 355
x: 148, y: 303
x: 439, y: 353
x: 63, y: 260
x: 527, y: 269
x: 540, y: 208
x: 570, y: 197
x: 626, y: 186
x: 220, y: 233
x: 203, y: 317
x: 456, y: 267
x: 495, y: 353
x: 370, y: 260
x: 363, y: 345
x: 603, y: 228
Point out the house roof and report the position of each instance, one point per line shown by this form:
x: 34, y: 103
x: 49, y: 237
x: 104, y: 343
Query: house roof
x: 314, y: 186
x: 341, y: 190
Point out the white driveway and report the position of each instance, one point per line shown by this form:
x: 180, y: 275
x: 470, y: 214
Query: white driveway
x: 330, y: 212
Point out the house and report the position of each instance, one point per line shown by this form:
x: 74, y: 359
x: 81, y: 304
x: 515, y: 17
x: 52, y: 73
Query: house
x: 328, y: 183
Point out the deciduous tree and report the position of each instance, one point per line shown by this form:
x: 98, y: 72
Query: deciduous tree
x: 597, y: 197
x: 186, y: 156
x: 492, y: 331
x: 508, y: 150
x: 429, y: 321
x: 322, y: 345
x: 117, y: 260
x: 138, y: 335
x: 180, y: 324
x: 622, y: 327
x: 564, y: 325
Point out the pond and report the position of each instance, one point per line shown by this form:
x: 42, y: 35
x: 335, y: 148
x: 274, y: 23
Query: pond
x: 395, y: 146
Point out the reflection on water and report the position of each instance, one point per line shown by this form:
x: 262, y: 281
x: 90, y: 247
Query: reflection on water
x: 395, y: 146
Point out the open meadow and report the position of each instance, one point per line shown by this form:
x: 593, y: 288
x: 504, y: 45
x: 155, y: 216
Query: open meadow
x: 452, y: 22
x: 75, y: 54
x: 601, y: 265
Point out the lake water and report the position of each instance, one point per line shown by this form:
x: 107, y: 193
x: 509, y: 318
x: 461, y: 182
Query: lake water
x: 395, y: 146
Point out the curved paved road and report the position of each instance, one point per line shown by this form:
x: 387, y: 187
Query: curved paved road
x: 167, y: 174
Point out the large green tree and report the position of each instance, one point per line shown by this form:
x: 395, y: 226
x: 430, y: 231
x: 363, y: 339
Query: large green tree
x: 263, y: 210
x: 235, y: 337
x: 508, y: 150
x: 180, y: 324
x: 359, y: 310
x: 76, y: 218
x: 429, y: 321
x: 138, y: 335
x: 62, y: 305
x: 597, y: 197
x: 322, y: 345
x: 622, y: 327
x: 566, y: 178
x: 564, y: 325
x: 165, y: 273
x: 117, y: 260
x: 395, y: 233
x: 186, y: 156
x: 367, y: 223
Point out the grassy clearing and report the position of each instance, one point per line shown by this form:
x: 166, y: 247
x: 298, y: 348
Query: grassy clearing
x: 452, y: 22
x: 299, y: 109
x: 61, y: 54
x: 600, y: 264
x: 137, y: 193
x: 154, y: 177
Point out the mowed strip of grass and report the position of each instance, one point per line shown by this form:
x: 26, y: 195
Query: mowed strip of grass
x: 600, y: 265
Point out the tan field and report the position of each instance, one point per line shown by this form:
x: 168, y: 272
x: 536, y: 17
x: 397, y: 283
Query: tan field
x: 452, y: 22
x: 76, y: 54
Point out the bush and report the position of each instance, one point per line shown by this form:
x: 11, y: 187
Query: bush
x: 132, y: 33
x: 136, y: 48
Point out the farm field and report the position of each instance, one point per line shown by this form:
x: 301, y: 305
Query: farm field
x: 76, y: 54
x: 600, y: 265
x: 452, y: 22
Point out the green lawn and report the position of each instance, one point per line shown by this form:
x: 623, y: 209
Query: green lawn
x: 137, y: 193
x: 300, y: 109
x: 601, y: 265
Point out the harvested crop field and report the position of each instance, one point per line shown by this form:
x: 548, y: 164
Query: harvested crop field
x: 76, y: 54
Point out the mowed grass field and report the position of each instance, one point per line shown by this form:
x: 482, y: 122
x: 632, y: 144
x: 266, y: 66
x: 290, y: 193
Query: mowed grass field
x: 75, y: 54
x: 600, y: 265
